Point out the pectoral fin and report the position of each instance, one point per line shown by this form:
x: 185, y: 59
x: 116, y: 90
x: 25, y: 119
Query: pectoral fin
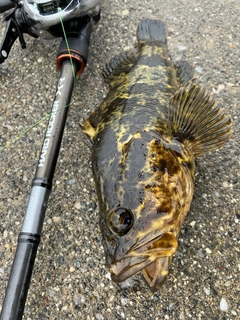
x: 197, y: 120
x: 88, y: 128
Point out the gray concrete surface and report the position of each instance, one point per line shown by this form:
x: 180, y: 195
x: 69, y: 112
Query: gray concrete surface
x: 70, y: 280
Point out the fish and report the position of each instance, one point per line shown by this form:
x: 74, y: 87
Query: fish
x: 145, y: 137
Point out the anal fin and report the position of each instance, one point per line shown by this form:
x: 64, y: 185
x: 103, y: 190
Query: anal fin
x: 197, y: 120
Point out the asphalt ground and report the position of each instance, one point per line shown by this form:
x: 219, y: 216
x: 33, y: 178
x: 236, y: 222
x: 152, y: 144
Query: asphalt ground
x: 70, y: 280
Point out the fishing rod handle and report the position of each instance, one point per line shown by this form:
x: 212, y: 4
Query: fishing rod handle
x: 14, y: 301
x: 28, y: 241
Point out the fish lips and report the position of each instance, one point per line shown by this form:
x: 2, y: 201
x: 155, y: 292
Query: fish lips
x: 152, y: 258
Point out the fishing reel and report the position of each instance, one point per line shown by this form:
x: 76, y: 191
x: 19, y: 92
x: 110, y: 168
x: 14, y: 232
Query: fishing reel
x: 33, y: 16
x: 44, y: 13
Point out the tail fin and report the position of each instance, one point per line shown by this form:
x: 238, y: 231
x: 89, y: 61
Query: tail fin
x: 150, y: 30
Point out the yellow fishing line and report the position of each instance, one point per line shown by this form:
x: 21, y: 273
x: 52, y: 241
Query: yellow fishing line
x: 49, y: 114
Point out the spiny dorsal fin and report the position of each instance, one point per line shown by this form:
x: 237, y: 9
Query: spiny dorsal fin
x: 185, y: 72
x: 151, y: 30
x: 119, y: 64
x: 197, y: 120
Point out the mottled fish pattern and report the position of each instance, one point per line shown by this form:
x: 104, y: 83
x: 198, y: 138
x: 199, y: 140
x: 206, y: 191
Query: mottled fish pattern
x: 145, y: 137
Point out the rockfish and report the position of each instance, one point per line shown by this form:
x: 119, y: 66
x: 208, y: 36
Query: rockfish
x: 145, y: 137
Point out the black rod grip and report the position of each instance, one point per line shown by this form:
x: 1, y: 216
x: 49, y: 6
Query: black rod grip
x: 14, y: 301
x: 6, y: 5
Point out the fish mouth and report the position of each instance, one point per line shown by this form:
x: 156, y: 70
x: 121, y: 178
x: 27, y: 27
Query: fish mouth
x: 152, y: 258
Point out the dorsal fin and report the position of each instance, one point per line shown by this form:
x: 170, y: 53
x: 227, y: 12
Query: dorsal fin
x: 197, y: 120
x: 119, y: 64
x: 185, y: 72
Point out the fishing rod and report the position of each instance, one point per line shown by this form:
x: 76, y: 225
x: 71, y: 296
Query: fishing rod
x: 71, y: 60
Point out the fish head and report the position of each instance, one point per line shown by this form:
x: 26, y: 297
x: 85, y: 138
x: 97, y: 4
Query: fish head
x: 144, y: 238
x: 143, y: 211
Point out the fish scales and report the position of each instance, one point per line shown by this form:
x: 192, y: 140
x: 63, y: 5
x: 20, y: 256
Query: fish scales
x: 152, y: 73
x: 145, y: 137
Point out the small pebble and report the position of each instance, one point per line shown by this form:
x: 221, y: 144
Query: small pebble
x: 208, y: 250
x: 223, y: 305
x: 111, y: 298
x: 70, y: 181
x: 77, y: 264
x: 228, y: 283
x: 182, y: 48
x: 56, y: 219
x: 124, y: 301
x: 217, y: 194
x: 99, y: 316
x: 192, y: 224
x: 9, y: 127
x: 225, y: 184
x: 64, y: 308
x: 61, y: 260
x: 198, y: 69
x: 27, y: 310
x: 51, y: 292
x: 201, y: 254
x: 207, y: 291
x: 125, y: 12
x: 127, y: 283
x: 220, y: 88
x: 108, y: 276
x: 76, y: 301
x: 83, y: 300
x: 72, y: 269
x: 77, y: 205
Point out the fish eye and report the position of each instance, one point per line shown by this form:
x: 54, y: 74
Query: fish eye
x: 121, y: 221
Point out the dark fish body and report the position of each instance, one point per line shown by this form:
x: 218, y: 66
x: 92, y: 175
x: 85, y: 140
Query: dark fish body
x: 146, y: 135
